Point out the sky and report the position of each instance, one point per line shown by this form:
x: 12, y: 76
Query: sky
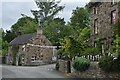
x: 11, y: 10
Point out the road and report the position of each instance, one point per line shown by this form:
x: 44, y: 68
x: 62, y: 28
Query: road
x: 46, y: 71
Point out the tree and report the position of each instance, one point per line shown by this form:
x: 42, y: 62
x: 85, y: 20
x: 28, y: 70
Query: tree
x: 8, y: 36
x: 25, y: 25
x: 116, y: 47
x: 3, y: 43
x: 47, y: 10
x: 75, y: 47
x: 1, y: 31
x: 80, y: 18
x: 57, y: 30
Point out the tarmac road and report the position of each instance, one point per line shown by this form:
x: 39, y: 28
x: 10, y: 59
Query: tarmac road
x: 46, y: 71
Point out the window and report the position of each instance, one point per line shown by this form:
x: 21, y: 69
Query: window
x: 33, y: 58
x: 112, y: 2
x: 95, y: 45
x: 95, y: 10
x: 102, y: 48
x: 113, y: 17
x: 96, y: 26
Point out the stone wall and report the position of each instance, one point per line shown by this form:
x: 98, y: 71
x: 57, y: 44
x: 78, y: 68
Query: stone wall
x: 104, y: 25
x: 62, y: 66
x: 42, y: 55
x: 95, y: 72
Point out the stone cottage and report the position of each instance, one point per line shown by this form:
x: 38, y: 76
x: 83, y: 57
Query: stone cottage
x: 31, y: 49
x: 102, y: 16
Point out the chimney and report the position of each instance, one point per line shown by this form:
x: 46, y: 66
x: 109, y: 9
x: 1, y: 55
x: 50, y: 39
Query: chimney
x: 39, y: 31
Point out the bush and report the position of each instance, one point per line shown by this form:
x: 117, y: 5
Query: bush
x: 108, y: 64
x: 81, y: 64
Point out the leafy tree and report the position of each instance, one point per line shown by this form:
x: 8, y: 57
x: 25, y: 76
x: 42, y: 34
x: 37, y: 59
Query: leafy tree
x: 3, y: 43
x: 8, y: 36
x: 116, y: 47
x: 73, y: 47
x: 84, y: 34
x: 116, y: 41
x: 80, y: 18
x: 47, y: 10
x: 1, y: 31
x: 25, y: 25
x: 4, y: 48
x: 57, y: 30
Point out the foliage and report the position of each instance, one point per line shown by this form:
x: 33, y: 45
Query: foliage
x: 57, y: 30
x: 116, y: 47
x: 3, y: 43
x: 108, y: 64
x: 15, y: 51
x: 91, y: 51
x: 8, y: 36
x: 84, y: 34
x: 70, y: 47
x: 25, y: 25
x: 19, y: 61
x: 4, y: 48
x: 47, y: 10
x: 1, y: 30
x: 79, y: 19
x: 81, y: 64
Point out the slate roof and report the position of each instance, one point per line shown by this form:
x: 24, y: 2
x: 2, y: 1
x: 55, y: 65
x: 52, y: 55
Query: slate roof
x: 22, y: 39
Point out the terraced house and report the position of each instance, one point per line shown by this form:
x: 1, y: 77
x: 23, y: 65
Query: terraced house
x: 103, y: 16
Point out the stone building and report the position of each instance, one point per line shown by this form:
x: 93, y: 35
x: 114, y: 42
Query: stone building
x: 32, y: 49
x: 102, y: 16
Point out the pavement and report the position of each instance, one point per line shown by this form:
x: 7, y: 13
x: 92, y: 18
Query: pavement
x: 45, y: 71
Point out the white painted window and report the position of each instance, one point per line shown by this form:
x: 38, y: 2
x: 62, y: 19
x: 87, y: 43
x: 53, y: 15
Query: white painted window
x: 33, y: 58
x: 102, y: 48
x: 96, y: 26
x: 95, y: 45
x: 113, y: 2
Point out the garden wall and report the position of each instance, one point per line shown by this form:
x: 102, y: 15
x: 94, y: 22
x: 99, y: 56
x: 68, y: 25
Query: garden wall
x: 95, y: 72
x: 62, y: 65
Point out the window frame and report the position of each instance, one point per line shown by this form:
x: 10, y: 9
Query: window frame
x: 96, y: 26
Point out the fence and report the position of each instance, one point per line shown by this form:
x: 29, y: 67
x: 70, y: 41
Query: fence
x: 92, y: 57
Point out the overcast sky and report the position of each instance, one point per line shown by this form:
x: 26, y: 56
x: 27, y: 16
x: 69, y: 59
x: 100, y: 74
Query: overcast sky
x: 11, y: 10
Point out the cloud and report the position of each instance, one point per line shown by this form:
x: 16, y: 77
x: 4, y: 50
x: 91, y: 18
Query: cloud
x: 69, y: 7
x: 12, y: 10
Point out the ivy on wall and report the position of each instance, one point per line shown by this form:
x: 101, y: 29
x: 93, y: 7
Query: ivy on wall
x: 15, y: 50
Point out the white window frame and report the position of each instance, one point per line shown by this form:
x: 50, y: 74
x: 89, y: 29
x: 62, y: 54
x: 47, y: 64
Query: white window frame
x: 103, y: 51
x: 113, y: 2
x: 96, y: 26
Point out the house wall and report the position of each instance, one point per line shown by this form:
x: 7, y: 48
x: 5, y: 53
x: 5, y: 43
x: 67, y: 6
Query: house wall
x: 35, y: 55
x: 10, y: 54
x: 104, y: 28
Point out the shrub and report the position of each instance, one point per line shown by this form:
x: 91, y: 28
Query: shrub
x: 108, y: 64
x: 81, y: 64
